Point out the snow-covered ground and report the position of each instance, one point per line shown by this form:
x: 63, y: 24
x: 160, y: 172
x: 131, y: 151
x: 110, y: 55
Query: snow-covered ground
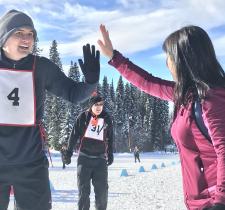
x: 159, y: 189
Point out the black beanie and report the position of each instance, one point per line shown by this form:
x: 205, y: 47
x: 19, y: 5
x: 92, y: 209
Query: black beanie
x: 95, y: 99
x: 11, y: 22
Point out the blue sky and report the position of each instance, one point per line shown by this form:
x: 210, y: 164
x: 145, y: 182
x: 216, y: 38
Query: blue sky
x: 137, y: 27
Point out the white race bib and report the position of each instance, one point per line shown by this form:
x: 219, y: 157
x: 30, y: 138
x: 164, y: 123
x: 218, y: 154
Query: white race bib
x: 17, y: 106
x: 95, y: 132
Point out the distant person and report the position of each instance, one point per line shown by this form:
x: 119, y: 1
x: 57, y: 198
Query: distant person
x: 24, y: 80
x: 165, y: 149
x: 136, y: 154
x: 93, y: 131
x: 63, y: 152
x: 198, y: 76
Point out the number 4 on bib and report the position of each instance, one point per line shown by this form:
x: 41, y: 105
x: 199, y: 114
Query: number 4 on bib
x: 14, y: 96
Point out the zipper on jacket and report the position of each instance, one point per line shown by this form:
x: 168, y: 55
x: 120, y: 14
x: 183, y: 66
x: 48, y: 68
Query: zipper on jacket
x: 14, y: 65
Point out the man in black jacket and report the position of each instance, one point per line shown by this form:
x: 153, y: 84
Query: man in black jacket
x: 24, y: 79
x: 93, y: 134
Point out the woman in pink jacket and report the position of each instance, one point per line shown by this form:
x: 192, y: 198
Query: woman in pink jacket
x: 197, y: 74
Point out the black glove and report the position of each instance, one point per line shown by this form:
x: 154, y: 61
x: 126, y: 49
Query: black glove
x: 110, y: 159
x: 91, y: 65
x: 67, y: 157
x: 217, y: 206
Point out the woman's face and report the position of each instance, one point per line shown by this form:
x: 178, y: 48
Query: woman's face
x: 97, y: 108
x: 171, y: 67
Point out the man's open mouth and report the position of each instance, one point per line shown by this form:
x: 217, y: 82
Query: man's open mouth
x: 24, y: 47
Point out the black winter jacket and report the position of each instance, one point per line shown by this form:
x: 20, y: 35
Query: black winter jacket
x: 20, y: 145
x: 88, y: 146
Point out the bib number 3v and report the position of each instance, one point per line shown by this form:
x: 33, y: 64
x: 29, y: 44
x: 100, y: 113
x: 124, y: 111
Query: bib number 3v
x: 14, y: 96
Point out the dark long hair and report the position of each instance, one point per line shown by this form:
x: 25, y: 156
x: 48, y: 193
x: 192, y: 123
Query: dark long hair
x: 197, y: 68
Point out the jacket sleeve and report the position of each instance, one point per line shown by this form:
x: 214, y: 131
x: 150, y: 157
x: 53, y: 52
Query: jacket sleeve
x: 60, y: 85
x: 74, y: 135
x: 214, y: 119
x: 110, y: 135
x: 154, y: 86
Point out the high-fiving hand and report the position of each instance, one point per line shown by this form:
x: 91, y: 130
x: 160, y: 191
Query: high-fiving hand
x: 105, y: 45
x: 91, y: 64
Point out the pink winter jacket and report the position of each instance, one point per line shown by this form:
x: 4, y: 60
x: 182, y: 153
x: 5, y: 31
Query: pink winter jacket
x: 203, y: 163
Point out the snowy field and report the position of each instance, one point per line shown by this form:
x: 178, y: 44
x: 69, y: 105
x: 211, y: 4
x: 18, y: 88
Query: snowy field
x: 159, y: 189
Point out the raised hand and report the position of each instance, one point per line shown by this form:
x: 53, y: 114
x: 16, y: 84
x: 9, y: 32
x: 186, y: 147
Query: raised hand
x: 105, y: 44
x: 91, y: 64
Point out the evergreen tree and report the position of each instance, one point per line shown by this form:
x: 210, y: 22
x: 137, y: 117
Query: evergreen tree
x: 55, y: 128
x: 99, y: 89
x: 105, y: 92
x: 55, y: 107
x: 127, y: 102
x: 112, y: 100
x: 54, y: 54
x: 121, y: 144
x: 164, y: 121
x: 135, y: 103
x: 158, y: 125
x: 136, y: 129
x: 112, y: 93
x: 143, y: 108
x: 147, y: 116
x: 127, y: 106
x: 36, y: 50
x: 73, y: 110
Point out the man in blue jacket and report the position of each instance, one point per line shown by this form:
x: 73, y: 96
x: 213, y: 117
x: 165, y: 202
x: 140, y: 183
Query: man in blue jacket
x: 24, y: 79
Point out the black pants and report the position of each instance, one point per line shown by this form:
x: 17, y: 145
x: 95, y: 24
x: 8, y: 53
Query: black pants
x: 30, y: 183
x: 94, y: 169
x: 136, y: 157
x: 64, y: 165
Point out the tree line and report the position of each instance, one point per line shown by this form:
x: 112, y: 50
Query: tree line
x: 138, y: 118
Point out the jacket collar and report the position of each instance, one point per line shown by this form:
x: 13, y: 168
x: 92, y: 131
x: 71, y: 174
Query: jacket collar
x: 9, y: 63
